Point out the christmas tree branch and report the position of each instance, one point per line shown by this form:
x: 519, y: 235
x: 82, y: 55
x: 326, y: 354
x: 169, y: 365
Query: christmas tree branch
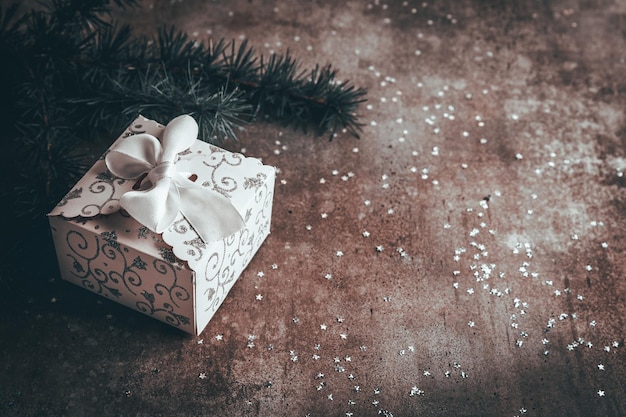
x: 75, y: 73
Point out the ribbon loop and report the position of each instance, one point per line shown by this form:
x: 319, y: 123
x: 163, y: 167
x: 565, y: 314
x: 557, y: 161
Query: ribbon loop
x: 211, y: 215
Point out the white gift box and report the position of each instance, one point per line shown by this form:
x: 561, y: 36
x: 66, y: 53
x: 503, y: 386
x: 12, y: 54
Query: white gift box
x: 174, y: 276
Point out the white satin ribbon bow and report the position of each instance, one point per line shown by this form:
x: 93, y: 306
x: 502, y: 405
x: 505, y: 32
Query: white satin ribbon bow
x: 211, y: 215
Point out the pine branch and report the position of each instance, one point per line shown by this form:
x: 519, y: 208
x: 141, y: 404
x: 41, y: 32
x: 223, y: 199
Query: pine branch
x: 74, y: 73
x: 104, y: 75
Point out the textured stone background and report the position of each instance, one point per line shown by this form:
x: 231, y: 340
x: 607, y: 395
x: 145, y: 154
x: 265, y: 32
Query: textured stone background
x: 480, y: 218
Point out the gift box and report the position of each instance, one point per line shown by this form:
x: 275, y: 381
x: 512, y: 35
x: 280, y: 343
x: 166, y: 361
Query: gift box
x: 164, y: 223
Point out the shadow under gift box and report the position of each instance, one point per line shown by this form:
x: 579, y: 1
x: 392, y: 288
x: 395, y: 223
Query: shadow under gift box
x: 174, y: 276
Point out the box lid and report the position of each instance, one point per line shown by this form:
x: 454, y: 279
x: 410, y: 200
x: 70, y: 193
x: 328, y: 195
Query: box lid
x: 233, y: 175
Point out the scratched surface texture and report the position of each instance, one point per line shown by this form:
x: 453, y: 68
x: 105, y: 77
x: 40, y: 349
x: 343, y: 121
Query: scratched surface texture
x: 465, y: 257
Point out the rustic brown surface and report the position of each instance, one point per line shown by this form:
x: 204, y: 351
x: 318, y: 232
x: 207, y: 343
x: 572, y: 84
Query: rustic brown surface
x: 492, y: 279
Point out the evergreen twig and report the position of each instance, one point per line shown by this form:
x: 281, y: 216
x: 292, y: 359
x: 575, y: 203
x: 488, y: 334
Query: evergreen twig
x: 73, y: 70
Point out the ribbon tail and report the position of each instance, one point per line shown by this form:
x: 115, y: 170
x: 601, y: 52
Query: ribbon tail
x: 155, y: 208
x: 212, y: 215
